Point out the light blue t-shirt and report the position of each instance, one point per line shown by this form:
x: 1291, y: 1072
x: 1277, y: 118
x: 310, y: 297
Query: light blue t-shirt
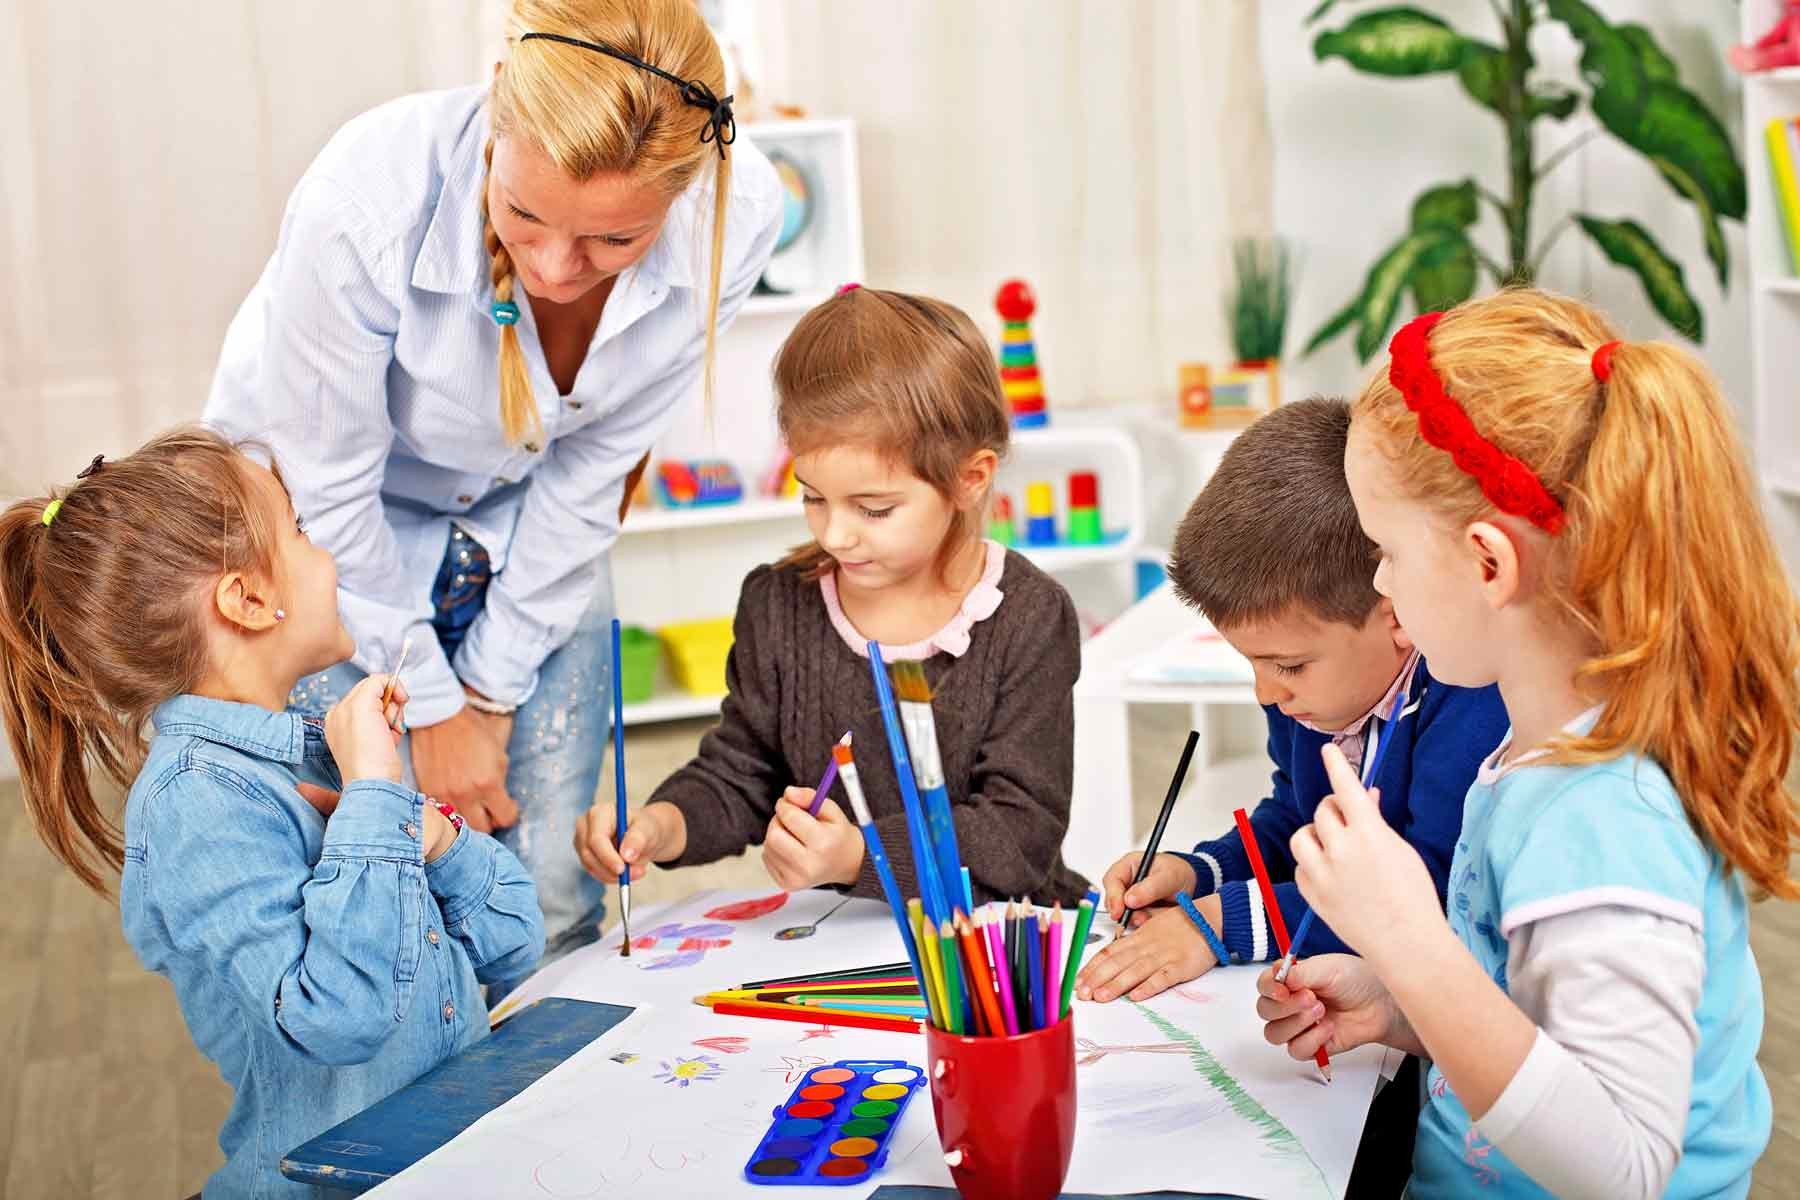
x: 1540, y: 841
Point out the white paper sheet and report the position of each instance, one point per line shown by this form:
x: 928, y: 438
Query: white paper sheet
x: 1181, y: 1093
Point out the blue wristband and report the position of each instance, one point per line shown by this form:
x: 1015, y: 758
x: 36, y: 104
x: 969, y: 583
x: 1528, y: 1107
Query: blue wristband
x: 1222, y: 955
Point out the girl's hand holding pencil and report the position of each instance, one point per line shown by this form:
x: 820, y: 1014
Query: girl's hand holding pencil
x: 1165, y: 951
x: 1169, y: 874
x: 363, y: 735
x: 1363, y: 878
x: 801, y: 850
x: 1335, y: 1001
x: 654, y: 833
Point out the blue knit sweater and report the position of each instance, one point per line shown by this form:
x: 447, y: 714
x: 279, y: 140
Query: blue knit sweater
x: 1441, y: 736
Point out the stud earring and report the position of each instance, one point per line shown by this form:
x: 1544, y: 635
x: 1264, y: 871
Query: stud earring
x: 281, y: 614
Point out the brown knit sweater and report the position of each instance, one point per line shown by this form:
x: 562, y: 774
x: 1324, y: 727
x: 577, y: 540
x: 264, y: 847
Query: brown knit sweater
x: 1005, y: 723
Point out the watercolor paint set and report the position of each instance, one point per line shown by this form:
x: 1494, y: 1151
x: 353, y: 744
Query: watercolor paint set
x: 837, y: 1126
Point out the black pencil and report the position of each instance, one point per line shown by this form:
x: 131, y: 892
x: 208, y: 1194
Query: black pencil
x: 880, y: 972
x: 1162, y: 821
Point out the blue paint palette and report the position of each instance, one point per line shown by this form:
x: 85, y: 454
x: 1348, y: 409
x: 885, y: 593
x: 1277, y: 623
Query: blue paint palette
x: 837, y: 1126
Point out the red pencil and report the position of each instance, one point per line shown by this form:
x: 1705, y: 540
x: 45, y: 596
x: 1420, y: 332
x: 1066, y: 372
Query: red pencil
x: 815, y: 1016
x: 1275, y: 922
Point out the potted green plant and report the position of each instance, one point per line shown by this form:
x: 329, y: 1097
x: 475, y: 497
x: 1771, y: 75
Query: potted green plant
x: 1256, y: 306
x: 1635, y: 94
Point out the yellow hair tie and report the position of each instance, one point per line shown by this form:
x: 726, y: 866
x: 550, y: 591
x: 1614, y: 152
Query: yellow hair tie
x: 50, y: 511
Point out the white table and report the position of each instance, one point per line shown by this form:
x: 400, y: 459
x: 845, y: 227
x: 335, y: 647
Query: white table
x: 1100, y: 807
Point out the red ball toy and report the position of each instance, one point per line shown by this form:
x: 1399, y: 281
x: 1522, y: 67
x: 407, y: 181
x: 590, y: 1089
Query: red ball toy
x: 1015, y: 301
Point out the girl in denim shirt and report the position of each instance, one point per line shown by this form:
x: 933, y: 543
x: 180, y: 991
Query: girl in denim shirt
x: 325, y: 927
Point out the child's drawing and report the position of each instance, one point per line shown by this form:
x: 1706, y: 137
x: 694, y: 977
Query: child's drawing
x: 674, y: 1155
x: 1195, y: 995
x: 588, y: 1168
x: 818, y: 1031
x: 747, y: 910
x: 724, y: 1045
x: 683, y: 1072
x: 1278, y: 1138
x: 1090, y: 1052
x: 691, y: 944
x: 794, y: 1067
x: 626, y: 1057
x: 1136, y: 1108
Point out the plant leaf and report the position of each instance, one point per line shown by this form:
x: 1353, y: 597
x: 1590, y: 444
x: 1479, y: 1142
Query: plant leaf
x: 1483, y: 75
x: 1445, y: 275
x: 1684, y: 183
x: 1658, y: 67
x: 1451, y: 206
x: 1338, y: 323
x: 1386, y: 283
x: 1325, y: 6
x: 1394, y: 41
x: 1629, y: 245
x: 1609, y: 63
x: 1555, y: 101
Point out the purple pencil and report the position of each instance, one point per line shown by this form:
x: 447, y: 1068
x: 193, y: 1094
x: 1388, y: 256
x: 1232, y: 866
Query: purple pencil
x: 827, y: 780
x: 1053, y: 977
x: 1002, y: 972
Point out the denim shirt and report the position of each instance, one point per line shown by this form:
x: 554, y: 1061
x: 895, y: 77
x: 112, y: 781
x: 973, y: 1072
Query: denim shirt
x: 321, y: 965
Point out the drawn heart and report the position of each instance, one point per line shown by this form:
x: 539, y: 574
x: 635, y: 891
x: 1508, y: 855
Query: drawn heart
x: 695, y: 943
x: 725, y: 1045
x: 748, y: 910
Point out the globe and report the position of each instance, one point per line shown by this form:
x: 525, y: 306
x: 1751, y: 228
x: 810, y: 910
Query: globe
x: 797, y: 206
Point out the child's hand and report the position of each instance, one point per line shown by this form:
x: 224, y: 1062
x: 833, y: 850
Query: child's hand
x: 653, y: 833
x: 1335, y: 1001
x: 1366, y: 882
x: 1162, y: 952
x: 803, y: 851
x: 1168, y: 875
x: 361, y: 736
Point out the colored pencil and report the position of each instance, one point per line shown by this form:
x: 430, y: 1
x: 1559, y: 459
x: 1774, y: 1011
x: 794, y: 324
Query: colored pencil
x: 1084, y: 917
x: 1276, y: 922
x: 1053, y: 973
x: 981, y: 980
x: 915, y: 1010
x: 932, y: 888
x: 914, y: 693
x: 815, y: 1016
x: 1009, y: 1016
x: 1287, y: 961
x: 1162, y: 821
x: 968, y: 891
x: 1034, y: 966
x: 897, y: 987
x: 831, y: 772
x: 618, y: 691
x: 956, y: 1002
x: 934, y: 967
x: 881, y: 971
x: 1387, y: 727
x: 844, y: 759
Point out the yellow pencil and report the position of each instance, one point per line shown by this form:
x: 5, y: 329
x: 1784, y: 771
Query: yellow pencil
x: 933, y: 964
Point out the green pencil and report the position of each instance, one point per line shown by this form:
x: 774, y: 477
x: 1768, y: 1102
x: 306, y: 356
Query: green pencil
x: 1084, y: 917
x: 953, y: 987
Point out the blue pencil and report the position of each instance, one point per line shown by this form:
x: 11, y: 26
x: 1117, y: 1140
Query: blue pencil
x: 859, y: 807
x: 932, y: 890
x: 618, y: 690
x: 1034, y: 968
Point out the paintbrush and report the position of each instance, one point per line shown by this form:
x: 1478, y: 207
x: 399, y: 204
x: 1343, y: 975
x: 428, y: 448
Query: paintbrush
x: 845, y: 761
x: 618, y: 690
x: 933, y: 888
x: 831, y: 771
x: 387, y: 693
x: 914, y: 693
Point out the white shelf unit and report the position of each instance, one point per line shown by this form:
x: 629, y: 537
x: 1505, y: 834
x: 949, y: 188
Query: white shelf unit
x: 1773, y: 414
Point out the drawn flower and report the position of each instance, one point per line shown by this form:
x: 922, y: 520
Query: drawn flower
x: 683, y: 1072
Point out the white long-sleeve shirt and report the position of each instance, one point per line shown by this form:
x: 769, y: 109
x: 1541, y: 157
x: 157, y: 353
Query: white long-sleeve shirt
x: 366, y: 357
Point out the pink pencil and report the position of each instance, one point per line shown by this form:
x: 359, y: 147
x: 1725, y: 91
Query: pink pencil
x: 1053, y: 977
x: 1002, y: 972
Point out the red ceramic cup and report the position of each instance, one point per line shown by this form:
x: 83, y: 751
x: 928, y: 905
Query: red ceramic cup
x: 1005, y: 1109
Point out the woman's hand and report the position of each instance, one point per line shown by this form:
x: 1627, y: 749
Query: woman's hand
x: 463, y: 761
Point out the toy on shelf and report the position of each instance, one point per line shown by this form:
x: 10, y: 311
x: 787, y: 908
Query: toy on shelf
x: 1778, y: 48
x: 698, y: 484
x: 1019, y: 378
x: 1040, y: 515
x: 1084, y: 509
x: 780, y: 481
x: 1000, y: 521
x: 697, y: 653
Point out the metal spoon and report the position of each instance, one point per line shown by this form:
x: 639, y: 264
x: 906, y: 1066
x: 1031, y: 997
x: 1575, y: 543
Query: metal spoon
x: 795, y: 932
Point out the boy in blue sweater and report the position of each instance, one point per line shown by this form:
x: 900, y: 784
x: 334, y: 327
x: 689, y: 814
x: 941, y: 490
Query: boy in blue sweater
x: 1272, y: 554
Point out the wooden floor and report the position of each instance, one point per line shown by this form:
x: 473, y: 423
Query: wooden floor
x: 102, y: 1094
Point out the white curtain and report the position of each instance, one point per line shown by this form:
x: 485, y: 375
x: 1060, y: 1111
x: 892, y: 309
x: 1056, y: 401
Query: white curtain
x: 1106, y: 152
x: 149, y: 151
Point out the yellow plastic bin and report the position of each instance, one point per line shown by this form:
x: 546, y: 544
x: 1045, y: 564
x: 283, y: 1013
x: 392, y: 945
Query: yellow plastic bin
x: 697, y: 650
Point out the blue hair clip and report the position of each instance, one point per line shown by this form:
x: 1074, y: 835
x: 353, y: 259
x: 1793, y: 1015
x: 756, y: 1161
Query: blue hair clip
x: 505, y: 312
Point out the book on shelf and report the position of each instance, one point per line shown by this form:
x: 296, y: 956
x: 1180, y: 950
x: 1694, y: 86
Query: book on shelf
x: 1783, y: 137
x: 1198, y: 656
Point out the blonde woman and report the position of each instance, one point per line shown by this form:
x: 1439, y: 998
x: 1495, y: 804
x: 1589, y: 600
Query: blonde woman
x: 483, y: 308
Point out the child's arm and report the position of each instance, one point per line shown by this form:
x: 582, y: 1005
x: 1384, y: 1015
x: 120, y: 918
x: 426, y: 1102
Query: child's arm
x: 322, y: 956
x: 490, y: 905
x: 727, y: 792
x: 1010, y: 829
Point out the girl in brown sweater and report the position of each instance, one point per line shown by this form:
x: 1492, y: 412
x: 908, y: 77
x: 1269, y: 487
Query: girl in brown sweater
x: 892, y: 406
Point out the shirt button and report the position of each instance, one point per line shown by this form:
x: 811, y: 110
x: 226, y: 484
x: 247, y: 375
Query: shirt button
x: 461, y: 579
x: 465, y: 499
x: 575, y: 404
x: 431, y: 936
x: 502, y: 481
x: 463, y: 556
x: 412, y: 831
x: 456, y: 535
x: 531, y: 447
x: 449, y: 1012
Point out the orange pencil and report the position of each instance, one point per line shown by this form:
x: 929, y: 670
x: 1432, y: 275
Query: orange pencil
x: 981, y: 980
